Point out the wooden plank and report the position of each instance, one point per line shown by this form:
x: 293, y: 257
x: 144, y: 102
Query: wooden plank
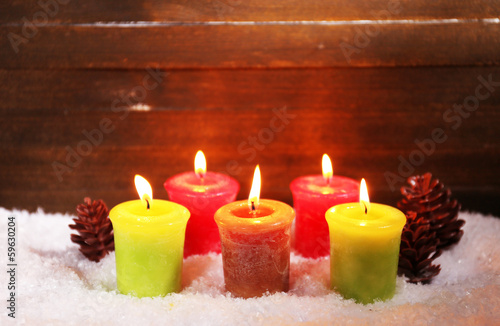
x: 305, y: 134
x: 112, y: 169
x: 81, y: 11
x: 272, y: 45
x: 159, y: 144
x: 426, y: 89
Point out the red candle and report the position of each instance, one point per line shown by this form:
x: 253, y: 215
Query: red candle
x: 313, y: 195
x: 255, y: 237
x: 202, y: 193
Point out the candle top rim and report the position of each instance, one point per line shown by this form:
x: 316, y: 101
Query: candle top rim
x: 162, y: 212
x: 230, y: 215
x: 213, y: 184
x: 315, y: 185
x: 379, y: 216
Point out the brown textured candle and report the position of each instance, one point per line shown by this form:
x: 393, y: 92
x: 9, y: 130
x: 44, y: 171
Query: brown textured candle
x: 255, y: 247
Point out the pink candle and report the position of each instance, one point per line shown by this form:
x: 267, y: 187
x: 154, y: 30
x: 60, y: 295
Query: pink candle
x: 202, y: 193
x: 313, y: 195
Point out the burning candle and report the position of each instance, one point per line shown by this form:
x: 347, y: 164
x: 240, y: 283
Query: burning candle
x: 313, y: 195
x: 255, y: 237
x: 149, y: 241
x: 202, y: 193
x: 365, y: 242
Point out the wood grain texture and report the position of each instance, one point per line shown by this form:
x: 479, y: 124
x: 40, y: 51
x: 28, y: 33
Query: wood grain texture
x: 364, y: 81
x: 395, y: 90
x: 364, y: 118
x: 273, y: 45
x: 81, y: 11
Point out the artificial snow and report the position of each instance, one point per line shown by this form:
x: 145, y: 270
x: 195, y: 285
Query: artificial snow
x: 57, y: 285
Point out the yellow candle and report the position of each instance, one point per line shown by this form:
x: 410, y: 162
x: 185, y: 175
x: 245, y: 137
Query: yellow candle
x: 364, y: 249
x: 149, y: 243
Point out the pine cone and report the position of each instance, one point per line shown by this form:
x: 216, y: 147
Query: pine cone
x: 430, y: 200
x: 418, y: 250
x: 96, y: 231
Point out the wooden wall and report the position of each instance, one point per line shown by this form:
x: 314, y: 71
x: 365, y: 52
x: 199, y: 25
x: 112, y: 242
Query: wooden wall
x: 276, y: 83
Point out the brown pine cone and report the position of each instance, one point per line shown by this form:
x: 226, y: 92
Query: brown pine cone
x: 430, y: 200
x: 418, y: 250
x: 95, y: 230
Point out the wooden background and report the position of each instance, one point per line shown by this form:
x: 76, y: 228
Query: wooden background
x: 227, y: 66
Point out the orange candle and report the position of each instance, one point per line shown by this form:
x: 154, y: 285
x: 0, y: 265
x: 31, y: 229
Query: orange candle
x: 255, y: 240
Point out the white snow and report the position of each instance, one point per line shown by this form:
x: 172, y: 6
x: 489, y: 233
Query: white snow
x: 58, y: 286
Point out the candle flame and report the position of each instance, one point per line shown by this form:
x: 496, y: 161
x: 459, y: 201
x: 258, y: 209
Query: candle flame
x: 364, y: 200
x: 327, y: 168
x: 144, y: 190
x: 253, y: 198
x: 200, y: 164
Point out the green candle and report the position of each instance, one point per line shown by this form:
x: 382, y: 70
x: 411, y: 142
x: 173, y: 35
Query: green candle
x: 149, y: 243
x: 364, y: 249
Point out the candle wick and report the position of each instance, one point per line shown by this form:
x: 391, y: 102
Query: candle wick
x: 366, y: 208
x: 147, y: 204
x: 253, y: 206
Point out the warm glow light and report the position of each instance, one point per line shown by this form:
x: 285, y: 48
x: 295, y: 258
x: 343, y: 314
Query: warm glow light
x: 144, y: 190
x: 200, y: 164
x: 327, y: 168
x: 253, y: 198
x: 364, y: 200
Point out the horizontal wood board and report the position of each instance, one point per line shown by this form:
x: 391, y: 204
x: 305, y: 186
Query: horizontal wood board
x: 82, y: 11
x: 289, y: 45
